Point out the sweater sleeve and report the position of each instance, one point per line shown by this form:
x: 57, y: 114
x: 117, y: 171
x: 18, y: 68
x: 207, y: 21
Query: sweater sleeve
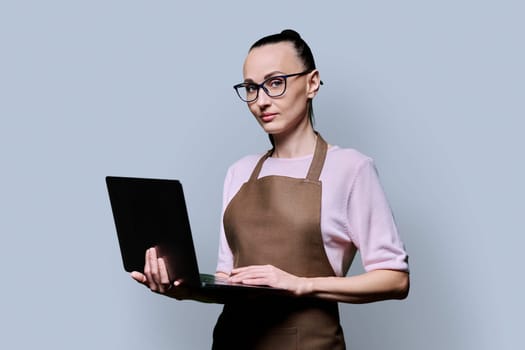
x: 372, y: 224
x: 225, y: 256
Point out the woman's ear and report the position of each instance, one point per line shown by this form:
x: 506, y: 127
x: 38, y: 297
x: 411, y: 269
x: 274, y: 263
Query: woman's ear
x: 313, y: 83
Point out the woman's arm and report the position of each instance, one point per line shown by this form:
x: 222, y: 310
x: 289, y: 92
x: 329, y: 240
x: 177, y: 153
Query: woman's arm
x: 364, y: 288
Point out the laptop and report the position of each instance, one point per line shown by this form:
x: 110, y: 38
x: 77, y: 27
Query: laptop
x: 152, y: 212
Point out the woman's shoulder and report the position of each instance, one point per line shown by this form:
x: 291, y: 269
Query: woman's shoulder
x: 344, y: 165
x: 349, y: 156
x: 243, y: 166
x: 239, y: 172
x: 247, y: 161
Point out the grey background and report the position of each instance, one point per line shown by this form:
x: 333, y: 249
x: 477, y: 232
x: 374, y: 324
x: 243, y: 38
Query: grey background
x: 433, y: 91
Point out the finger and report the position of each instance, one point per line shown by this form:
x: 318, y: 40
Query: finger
x: 163, y: 275
x: 251, y: 268
x: 248, y: 271
x: 139, y: 277
x: 148, y: 271
x: 243, y: 269
x: 259, y: 280
x: 154, y: 265
x: 163, y: 271
x: 243, y: 276
x: 260, y: 275
x: 256, y: 282
x: 222, y: 275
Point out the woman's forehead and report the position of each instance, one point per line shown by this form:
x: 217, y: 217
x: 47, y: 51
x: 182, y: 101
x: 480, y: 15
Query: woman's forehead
x: 266, y: 59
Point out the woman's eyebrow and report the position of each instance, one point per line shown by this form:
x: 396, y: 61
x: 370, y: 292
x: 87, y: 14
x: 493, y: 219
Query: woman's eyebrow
x: 269, y: 75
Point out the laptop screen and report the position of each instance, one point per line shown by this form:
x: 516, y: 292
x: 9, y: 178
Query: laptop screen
x: 152, y: 213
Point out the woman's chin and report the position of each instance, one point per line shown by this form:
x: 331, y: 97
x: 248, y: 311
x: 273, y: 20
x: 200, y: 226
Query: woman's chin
x: 271, y: 128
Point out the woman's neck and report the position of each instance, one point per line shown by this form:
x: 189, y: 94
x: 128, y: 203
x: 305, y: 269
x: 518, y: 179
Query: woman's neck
x: 298, y: 143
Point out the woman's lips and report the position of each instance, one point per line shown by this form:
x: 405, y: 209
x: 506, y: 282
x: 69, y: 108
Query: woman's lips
x: 268, y: 117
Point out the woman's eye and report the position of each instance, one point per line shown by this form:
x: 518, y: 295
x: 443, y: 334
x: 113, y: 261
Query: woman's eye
x: 275, y: 83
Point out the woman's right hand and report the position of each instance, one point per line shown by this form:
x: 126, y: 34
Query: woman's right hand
x: 156, y: 278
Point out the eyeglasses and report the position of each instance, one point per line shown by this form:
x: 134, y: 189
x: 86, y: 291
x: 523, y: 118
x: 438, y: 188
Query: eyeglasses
x: 273, y: 87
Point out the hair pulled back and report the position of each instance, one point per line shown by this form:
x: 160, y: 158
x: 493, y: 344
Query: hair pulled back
x: 288, y: 35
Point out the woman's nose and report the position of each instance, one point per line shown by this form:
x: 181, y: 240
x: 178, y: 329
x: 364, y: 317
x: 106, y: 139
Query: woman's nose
x: 263, y: 99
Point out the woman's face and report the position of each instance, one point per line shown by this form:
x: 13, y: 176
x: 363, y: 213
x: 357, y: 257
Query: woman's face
x: 283, y: 114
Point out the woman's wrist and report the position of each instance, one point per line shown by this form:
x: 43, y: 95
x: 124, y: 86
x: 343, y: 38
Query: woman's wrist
x: 305, y: 286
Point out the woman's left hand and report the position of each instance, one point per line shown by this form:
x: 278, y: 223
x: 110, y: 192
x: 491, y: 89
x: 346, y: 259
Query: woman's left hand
x: 155, y: 277
x: 272, y: 276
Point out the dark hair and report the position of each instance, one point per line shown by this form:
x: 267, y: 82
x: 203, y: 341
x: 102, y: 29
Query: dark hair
x: 301, y: 47
x: 303, y: 52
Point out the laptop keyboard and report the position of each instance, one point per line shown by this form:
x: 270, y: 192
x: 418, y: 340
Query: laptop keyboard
x: 207, y: 278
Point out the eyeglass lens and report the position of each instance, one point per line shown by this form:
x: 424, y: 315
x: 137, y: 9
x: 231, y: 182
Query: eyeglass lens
x: 273, y: 87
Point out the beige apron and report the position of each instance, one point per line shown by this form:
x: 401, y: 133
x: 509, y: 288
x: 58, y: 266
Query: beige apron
x: 277, y: 220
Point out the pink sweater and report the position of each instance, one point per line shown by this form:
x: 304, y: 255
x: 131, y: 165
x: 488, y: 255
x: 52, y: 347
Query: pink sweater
x: 355, y: 214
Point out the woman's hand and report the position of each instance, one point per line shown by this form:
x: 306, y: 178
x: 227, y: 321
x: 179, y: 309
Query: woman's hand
x: 156, y: 278
x: 270, y: 275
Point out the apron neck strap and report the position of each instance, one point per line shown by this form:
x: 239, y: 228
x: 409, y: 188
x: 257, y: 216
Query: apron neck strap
x: 257, y: 169
x: 316, y: 166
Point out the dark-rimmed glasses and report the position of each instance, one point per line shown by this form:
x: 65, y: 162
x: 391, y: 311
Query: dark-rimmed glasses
x: 273, y: 87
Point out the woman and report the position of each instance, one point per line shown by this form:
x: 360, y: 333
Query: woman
x: 294, y: 217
